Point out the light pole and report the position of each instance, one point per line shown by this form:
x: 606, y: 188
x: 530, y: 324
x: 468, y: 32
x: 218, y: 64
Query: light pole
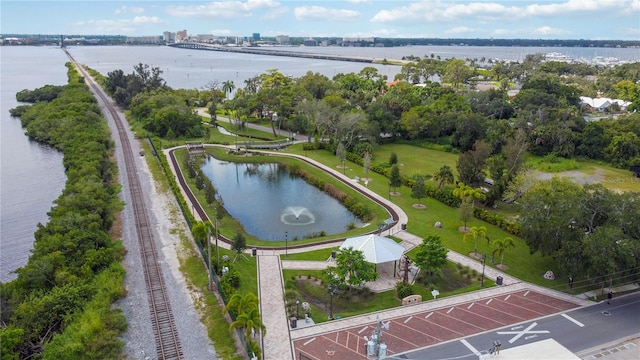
x: 215, y: 218
x: 286, y: 242
x: 333, y: 289
x: 483, y: 263
x: 297, y: 307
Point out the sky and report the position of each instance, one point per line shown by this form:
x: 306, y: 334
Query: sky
x: 500, y: 19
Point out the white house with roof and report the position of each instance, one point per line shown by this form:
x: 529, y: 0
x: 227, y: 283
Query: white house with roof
x: 602, y: 104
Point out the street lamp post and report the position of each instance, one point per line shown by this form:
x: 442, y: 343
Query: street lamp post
x: 297, y: 307
x: 286, y: 242
x: 483, y: 263
x: 333, y: 289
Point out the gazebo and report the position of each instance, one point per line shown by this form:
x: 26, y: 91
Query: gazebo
x: 376, y: 249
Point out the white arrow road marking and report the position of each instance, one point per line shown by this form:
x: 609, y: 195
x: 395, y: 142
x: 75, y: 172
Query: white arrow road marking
x: 519, y: 334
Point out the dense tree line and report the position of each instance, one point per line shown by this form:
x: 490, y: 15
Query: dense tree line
x: 60, y: 304
x: 161, y: 110
x: 589, y: 230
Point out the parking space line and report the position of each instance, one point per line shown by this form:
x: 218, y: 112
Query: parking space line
x: 572, y: 320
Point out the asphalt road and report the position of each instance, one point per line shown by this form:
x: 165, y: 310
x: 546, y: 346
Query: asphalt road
x: 577, y: 330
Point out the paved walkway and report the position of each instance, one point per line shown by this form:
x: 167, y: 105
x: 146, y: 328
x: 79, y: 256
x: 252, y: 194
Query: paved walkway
x: 276, y: 344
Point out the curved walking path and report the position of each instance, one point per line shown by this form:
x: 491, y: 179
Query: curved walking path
x: 278, y: 342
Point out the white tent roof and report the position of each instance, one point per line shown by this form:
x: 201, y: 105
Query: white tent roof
x: 376, y: 249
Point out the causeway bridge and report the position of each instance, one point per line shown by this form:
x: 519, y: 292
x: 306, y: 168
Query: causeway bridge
x: 270, y: 52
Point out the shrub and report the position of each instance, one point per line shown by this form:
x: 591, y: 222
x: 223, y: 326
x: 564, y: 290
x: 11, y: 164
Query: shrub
x: 403, y: 290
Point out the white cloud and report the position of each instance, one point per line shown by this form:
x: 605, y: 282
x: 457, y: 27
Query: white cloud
x: 547, y: 31
x: 440, y: 11
x: 223, y: 32
x: 359, y: 1
x: 322, y: 13
x: 222, y: 9
x: 275, y: 13
x: 462, y: 30
x: 129, y: 9
x: 119, y: 26
x: 572, y: 6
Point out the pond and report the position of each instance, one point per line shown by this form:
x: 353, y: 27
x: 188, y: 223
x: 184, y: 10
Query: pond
x: 272, y: 204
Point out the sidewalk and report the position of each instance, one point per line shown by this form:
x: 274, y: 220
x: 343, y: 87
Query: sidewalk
x: 276, y: 343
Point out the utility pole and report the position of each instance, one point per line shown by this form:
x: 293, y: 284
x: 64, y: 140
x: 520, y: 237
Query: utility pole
x: 209, y: 257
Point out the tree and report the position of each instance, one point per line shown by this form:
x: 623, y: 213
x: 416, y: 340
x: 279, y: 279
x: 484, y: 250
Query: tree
x: 341, y: 153
x: 477, y: 233
x: 431, y: 255
x: 239, y: 243
x: 501, y: 246
x: 468, y: 193
x: 228, y: 86
x: 395, y: 180
x: 209, y: 192
x: 456, y: 72
x: 418, y: 191
x: 351, y: 269
x: 200, y: 231
x: 471, y: 163
x: 366, y: 159
x: 247, y: 314
x: 249, y: 321
x: 444, y: 176
x: 241, y: 303
x: 393, y: 159
x: 466, y: 213
x: 548, y: 213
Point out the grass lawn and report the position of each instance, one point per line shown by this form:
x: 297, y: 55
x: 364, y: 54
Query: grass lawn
x: 585, y: 171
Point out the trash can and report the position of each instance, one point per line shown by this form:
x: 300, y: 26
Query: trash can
x: 333, y: 254
x: 294, y: 322
x: 499, y: 280
x: 404, y: 226
x: 254, y: 251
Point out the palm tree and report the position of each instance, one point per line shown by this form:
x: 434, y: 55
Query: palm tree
x: 477, y: 232
x: 249, y: 321
x: 241, y: 304
x: 228, y: 86
x: 468, y: 193
x: 444, y: 176
x: 501, y: 246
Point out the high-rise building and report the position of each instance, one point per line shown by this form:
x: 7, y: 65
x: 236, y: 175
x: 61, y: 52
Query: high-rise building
x: 283, y: 40
x: 256, y: 36
x: 169, y: 37
x: 181, y: 36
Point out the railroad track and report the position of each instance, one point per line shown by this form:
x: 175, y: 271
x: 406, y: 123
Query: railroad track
x: 163, y: 322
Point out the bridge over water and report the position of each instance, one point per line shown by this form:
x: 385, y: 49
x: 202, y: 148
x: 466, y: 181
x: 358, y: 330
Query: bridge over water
x: 270, y: 52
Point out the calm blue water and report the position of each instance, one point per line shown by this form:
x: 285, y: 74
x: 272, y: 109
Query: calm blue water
x: 269, y: 202
x: 31, y: 175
